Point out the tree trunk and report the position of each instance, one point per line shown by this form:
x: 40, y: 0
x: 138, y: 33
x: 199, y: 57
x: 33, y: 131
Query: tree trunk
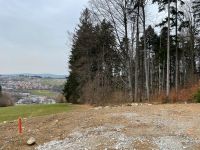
x: 145, y: 55
x: 159, y: 71
x: 168, y: 55
x: 136, y: 57
x: 177, y: 66
x: 129, y: 62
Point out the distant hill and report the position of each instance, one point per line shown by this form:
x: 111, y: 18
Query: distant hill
x: 53, y: 76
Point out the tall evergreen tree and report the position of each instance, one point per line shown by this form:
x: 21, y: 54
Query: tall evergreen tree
x: 174, y: 15
x: 152, y: 48
x: 93, y: 62
x: 80, y: 59
x: 106, y: 63
x: 106, y: 54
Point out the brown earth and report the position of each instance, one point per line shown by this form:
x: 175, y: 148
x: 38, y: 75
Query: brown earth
x: 170, y: 126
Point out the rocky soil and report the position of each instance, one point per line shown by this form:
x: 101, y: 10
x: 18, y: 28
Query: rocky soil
x: 133, y: 127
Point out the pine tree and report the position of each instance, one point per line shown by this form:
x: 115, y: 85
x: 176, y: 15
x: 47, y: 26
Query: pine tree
x: 105, y: 64
x: 93, y: 63
x: 106, y: 53
x: 153, y: 56
x: 80, y: 59
x: 70, y: 90
x: 174, y: 15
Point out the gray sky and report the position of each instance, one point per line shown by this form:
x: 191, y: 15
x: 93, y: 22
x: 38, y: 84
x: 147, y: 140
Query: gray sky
x: 33, y: 34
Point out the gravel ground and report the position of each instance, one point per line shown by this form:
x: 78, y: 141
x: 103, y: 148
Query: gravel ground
x: 136, y: 127
x: 162, y: 129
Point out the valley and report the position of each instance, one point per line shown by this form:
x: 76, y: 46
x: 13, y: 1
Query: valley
x: 32, y: 89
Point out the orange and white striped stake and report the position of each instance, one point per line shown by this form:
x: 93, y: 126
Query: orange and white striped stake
x: 20, y: 129
x: 20, y: 125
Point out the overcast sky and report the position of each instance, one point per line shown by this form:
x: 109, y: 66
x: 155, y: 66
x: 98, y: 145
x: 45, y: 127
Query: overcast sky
x: 33, y: 34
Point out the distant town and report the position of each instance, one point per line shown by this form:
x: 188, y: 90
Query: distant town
x: 32, y: 88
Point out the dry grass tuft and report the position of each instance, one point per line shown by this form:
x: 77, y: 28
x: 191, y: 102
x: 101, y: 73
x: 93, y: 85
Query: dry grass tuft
x: 6, y: 100
x: 184, y: 95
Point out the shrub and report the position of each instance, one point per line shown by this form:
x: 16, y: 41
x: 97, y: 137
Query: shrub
x: 197, y: 97
x: 6, y: 100
x: 60, y: 99
x: 71, y: 89
x: 0, y: 90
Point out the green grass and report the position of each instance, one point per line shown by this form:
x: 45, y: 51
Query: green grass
x: 28, y: 111
x: 53, y: 82
x: 43, y: 93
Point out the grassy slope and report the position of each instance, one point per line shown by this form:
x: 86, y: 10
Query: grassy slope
x: 57, y: 82
x: 43, y: 93
x: 26, y: 111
